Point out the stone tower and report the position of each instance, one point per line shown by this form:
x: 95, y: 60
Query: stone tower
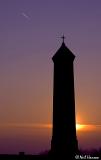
x: 64, y: 140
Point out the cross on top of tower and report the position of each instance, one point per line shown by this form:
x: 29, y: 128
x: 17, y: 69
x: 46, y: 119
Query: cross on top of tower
x: 63, y: 38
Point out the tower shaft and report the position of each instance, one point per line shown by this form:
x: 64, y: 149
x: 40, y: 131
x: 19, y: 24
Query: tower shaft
x: 64, y: 139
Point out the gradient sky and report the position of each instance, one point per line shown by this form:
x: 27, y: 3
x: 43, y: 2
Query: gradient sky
x: 30, y: 32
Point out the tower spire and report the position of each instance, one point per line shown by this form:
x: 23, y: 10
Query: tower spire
x: 63, y: 38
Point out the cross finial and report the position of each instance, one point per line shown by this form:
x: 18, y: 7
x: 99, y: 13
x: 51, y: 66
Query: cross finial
x: 63, y: 38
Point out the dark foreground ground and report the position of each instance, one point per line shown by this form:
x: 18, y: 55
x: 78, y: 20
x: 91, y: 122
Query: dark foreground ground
x: 89, y: 155
x: 23, y: 157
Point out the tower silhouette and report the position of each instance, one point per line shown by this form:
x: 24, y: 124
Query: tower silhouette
x: 64, y: 140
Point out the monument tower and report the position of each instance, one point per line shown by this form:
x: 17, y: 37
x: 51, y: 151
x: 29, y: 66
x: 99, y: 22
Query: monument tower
x: 64, y: 140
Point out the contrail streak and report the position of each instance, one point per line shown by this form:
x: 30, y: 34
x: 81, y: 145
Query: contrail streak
x: 25, y: 15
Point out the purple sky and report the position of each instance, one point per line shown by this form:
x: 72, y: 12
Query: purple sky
x: 29, y: 36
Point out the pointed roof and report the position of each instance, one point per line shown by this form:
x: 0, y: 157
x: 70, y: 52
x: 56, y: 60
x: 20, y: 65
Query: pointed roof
x: 63, y: 53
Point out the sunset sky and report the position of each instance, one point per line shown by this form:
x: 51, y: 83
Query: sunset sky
x: 30, y: 32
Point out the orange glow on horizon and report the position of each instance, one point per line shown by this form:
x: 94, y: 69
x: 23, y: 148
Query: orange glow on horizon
x: 79, y: 127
